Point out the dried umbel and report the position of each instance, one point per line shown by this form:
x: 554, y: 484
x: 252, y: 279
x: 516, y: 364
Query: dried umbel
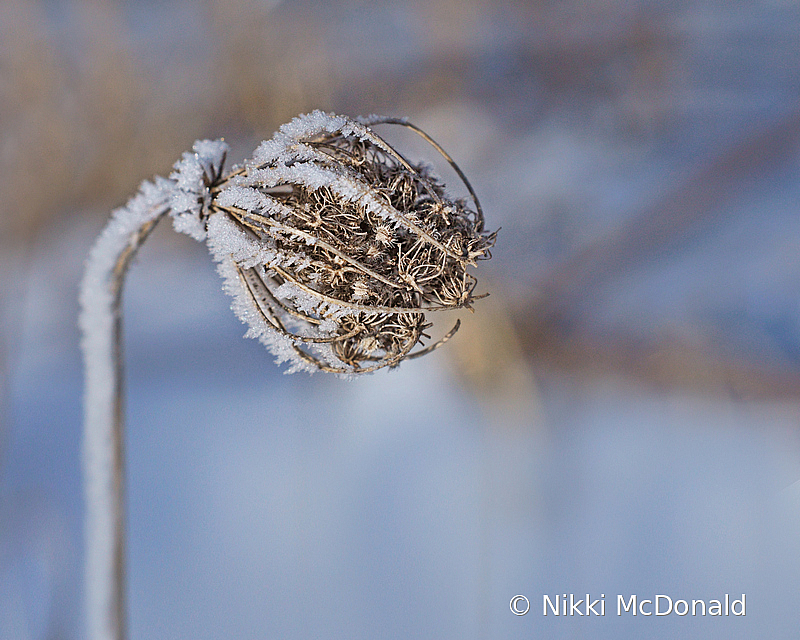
x: 333, y: 245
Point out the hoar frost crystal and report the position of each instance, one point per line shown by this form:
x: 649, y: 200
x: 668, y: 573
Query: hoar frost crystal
x: 332, y: 244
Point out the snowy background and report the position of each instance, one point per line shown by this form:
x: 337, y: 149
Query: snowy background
x: 621, y: 416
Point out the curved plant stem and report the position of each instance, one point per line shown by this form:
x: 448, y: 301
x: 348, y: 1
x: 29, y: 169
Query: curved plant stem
x: 103, y: 446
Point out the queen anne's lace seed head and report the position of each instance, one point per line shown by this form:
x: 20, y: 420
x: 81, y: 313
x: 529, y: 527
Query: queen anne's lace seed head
x: 333, y: 245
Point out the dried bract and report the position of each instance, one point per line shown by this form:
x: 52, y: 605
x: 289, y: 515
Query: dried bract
x: 333, y: 245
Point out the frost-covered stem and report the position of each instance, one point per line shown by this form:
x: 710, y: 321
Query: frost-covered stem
x: 103, y: 446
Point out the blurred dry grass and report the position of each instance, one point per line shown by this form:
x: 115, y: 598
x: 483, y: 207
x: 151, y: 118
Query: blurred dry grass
x: 73, y: 131
x: 85, y: 115
x: 551, y: 322
x: 85, y: 120
x: 89, y: 107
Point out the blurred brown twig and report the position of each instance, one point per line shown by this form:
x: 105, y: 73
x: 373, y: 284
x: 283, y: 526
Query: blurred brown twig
x: 550, y: 326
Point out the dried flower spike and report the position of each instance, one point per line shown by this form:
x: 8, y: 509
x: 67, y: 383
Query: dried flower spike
x: 333, y: 246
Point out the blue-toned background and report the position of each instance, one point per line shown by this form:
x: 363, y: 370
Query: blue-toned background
x: 620, y: 416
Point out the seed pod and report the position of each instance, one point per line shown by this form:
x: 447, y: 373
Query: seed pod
x: 333, y: 245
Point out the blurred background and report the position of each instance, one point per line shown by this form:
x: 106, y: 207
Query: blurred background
x: 620, y: 416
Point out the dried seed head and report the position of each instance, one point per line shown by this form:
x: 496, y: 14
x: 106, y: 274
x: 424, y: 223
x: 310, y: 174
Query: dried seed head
x: 333, y: 245
x: 384, y: 235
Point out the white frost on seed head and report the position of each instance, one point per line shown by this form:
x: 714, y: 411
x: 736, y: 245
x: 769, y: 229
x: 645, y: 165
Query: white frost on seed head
x: 348, y: 186
x: 233, y: 250
x: 246, y: 198
x: 288, y: 141
x: 192, y: 175
x: 225, y: 239
x: 282, y: 347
